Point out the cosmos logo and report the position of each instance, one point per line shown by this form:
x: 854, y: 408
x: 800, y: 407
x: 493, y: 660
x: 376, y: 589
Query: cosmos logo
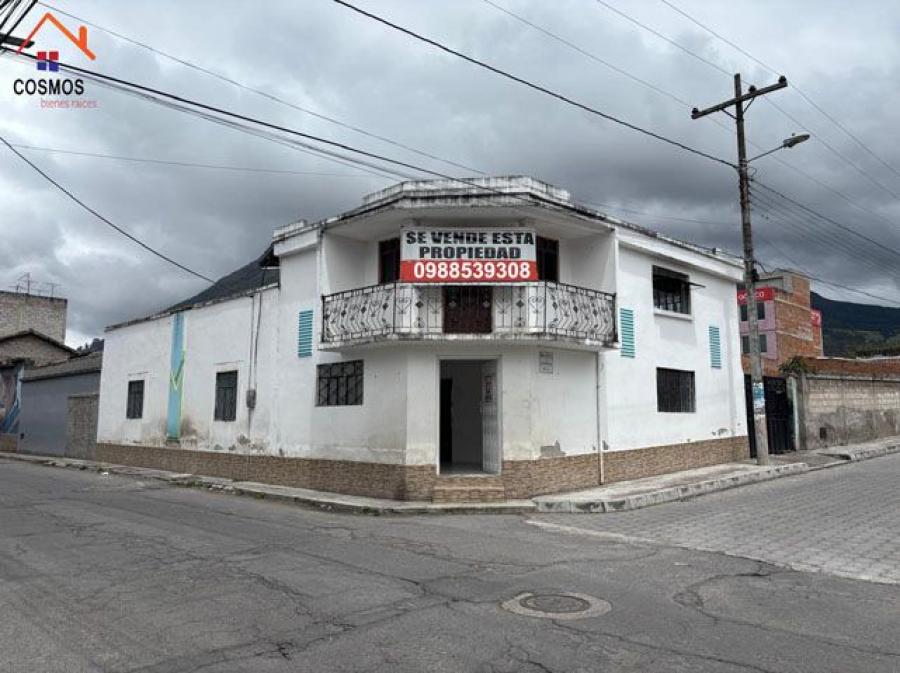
x: 48, y: 61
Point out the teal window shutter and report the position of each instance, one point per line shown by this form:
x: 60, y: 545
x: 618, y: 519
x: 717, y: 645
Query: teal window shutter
x: 305, y: 334
x: 626, y: 331
x: 715, y: 347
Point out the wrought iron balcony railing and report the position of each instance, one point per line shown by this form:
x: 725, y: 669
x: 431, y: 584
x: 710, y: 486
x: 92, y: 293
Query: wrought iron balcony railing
x: 538, y: 310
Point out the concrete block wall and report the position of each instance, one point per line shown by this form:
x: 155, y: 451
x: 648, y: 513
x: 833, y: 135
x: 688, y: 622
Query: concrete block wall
x: 20, y: 311
x: 838, y: 409
x: 81, y: 426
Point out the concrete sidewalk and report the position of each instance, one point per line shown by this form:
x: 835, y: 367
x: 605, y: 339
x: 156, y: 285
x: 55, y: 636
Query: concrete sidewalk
x: 639, y: 493
x: 621, y: 496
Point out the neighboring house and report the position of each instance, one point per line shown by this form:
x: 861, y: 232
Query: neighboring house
x: 441, y: 341
x: 59, y: 407
x: 788, y: 327
x: 17, y: 351
x: 21, y: 311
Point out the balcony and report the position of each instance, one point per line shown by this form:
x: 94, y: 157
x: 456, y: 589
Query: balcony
x: 537, y: 312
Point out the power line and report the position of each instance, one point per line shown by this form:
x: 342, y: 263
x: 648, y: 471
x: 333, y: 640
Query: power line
x: 828, y: 219
x: 235, y: 115
x: 101, y: 217
x: 717, y: 67
x: 265, y: 94
x: 532, y: 85
x: 796, y: 88
x: 185, y: 164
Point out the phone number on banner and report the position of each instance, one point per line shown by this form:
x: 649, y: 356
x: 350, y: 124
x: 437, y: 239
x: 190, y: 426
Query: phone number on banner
x: 468, y: 270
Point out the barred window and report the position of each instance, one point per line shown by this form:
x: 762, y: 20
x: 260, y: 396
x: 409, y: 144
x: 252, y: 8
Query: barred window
x: 226, y: 396
x: 339, y: 384
x: 675, y: 391
x: 135, y: 405
x: 671, y: 290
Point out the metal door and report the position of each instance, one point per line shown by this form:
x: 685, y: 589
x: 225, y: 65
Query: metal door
x: 779, y: 416
x: 468, y: 310
x: 490, y: 426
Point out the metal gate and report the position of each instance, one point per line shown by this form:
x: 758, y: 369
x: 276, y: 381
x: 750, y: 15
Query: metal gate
x: 779, y: 415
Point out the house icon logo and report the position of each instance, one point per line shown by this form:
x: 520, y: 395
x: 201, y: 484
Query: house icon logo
x: 60, y: 91
x: 49, y: 60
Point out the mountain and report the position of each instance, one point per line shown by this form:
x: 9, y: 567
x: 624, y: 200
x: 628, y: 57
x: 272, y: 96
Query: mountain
x: 858, y: 329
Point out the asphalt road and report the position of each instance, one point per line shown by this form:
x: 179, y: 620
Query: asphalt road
x: 107, y: 573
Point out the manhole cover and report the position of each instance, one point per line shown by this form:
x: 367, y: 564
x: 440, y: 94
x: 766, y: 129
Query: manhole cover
x: 554, y: 603
x: 557, y: 605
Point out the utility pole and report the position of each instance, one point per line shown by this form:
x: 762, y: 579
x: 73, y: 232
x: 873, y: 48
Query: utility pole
x: 756, y: 369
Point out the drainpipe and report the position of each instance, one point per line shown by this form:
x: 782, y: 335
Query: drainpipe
x: 600, y: 474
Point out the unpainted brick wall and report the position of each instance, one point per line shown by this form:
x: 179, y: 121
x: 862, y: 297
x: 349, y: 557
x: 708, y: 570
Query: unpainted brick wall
x: 838, y: 409
x: 81, y: 426
x: 20, y: 312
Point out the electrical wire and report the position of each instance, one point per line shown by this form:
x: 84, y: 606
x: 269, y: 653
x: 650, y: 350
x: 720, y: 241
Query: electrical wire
x: 718, y: 68
x: 532, y: 85
x: 265, y: 94
x: 184, y: 164
x: 100, y: 217
x: 799, y: 91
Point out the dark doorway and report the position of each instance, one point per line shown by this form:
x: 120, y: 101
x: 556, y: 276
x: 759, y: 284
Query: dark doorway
x: 779, y: 415
x: 461, y: 431
x: 446, y: 421
x: 467, y: 310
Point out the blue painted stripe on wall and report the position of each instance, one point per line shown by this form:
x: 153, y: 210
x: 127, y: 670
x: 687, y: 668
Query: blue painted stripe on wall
x: 305, y: 334
x: 626, y: 328
x: 715, y: 347
x: 176, y: 378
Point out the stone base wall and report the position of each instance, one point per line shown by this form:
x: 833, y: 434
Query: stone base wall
x: 8, y: 443
x: 639, y: 463
x: 520, y: 479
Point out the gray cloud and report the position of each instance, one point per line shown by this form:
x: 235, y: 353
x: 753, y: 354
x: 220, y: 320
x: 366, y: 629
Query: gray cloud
x: 326, y: 58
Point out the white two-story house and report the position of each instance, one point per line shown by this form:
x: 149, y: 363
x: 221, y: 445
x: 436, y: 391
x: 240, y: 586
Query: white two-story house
x: 445, y: 340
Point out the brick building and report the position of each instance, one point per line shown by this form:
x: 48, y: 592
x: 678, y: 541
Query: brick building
x: 21, y: 311
x: 788, y: 325
x: 32, y: 333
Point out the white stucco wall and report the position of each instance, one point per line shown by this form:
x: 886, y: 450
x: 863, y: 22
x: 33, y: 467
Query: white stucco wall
x: 217, y: 338
x: 540, y: 413
x: 676, y: 342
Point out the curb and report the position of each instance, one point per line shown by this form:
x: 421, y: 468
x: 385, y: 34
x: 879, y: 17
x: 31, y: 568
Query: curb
x: 684, y: 492
x: 861, y: 454
x: 329, y: 502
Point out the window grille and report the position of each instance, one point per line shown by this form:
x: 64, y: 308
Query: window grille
x: 339, y: 384
x: 226, y: 396
x: 671, y: 291
x: 135, y: 405
x: 675, y: 391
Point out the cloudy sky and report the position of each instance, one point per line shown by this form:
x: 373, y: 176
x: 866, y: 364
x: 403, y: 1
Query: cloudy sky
x: 325, y: 58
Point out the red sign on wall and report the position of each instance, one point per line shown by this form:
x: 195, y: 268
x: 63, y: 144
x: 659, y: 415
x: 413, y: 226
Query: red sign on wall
x: 430, y: 255
x: 762, y: 294
x: 816, y: 317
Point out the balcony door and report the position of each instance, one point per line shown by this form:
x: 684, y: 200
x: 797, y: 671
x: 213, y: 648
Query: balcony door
x: 468, y: 309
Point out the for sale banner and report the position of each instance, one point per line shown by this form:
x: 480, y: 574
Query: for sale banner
x: 432, y: 255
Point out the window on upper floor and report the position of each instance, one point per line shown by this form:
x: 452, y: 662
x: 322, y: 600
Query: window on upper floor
x: 675, y: 391
x: 389, y: 260
x: 547, y: 252
x: 134, y: 407
x: 226, y: 396
x: 671, y: 291
x: 745, y: 344
x: 760, y: 311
